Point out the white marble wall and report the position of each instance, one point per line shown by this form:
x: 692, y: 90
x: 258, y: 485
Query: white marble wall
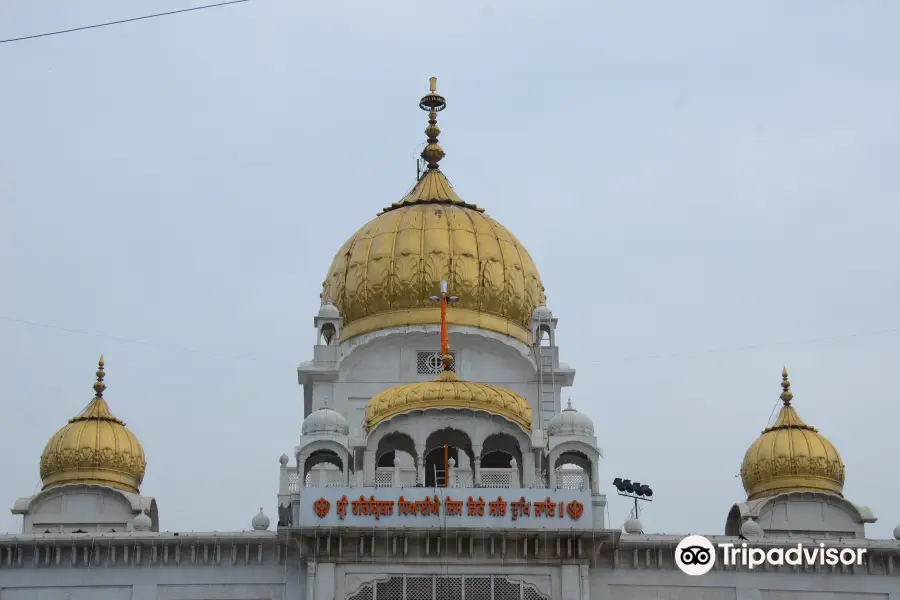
x: 159, y: 583
x: 388, y: 361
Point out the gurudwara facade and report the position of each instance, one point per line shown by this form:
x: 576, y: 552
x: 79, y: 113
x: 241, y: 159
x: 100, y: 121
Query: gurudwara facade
x: 444, y: 486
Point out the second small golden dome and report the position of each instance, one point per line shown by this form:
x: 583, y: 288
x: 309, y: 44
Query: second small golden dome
x: 448, y: 391
x: 791, y: 456
x: 94, y: 448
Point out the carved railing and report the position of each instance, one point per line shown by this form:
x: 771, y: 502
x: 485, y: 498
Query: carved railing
x: 497, y: 478
x: 571, y: 479
x: 324, y: 478
x: 290, y: 480
x: 464, y: 478
x: 396, y: 477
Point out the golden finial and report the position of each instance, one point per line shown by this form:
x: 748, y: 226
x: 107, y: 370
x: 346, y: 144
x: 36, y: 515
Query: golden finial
x: 447, y: 362
x: 99, y: 386
x: 432, y: 103
x: 786, y: 394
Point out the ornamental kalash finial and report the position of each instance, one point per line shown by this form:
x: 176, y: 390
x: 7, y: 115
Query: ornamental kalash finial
x: 432, y: 103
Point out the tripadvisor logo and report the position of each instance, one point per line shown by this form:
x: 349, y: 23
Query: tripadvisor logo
x: 696, y: 555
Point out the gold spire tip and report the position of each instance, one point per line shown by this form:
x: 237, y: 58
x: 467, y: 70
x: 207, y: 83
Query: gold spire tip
x: 432, y: 103
x: 786, y: 395
x: 99, y: 386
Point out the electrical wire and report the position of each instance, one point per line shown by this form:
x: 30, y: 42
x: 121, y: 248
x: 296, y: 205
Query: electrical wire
x: 172, y: 12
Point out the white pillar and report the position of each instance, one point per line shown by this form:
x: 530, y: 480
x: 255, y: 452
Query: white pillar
x: 310, y: 581
x: 570, y: 582
x: 284, y: 480
x: 420, y: 465
x: 527, y: 469
x: 585, y: 583
x: 395, y: 481
x: 347, y: 463
x: 476, y: 472
x: 369, y: 468
x: 514, y: 474
x: 325, y: 581
x: 451, y: 473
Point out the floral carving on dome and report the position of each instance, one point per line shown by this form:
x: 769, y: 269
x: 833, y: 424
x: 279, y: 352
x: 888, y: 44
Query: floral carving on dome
x: 384, y: 275
x: 90, y: 458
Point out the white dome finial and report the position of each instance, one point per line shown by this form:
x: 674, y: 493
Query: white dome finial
x: 142, y: 522
x: 570, y: 422
x: 751, y: 529
x: 633, y: 526
x: 325, y: 420
x: 260, y: 522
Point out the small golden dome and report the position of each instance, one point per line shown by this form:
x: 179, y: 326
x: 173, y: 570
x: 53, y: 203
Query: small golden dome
x: 94, y: 448
x: 448, y: 391
x: 791, y: 456
x: 384, y: 274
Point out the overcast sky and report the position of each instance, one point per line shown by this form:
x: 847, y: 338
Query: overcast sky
x: 709, y: 189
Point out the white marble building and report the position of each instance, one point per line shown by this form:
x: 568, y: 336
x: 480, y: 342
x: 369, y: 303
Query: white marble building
x: 436, y: 462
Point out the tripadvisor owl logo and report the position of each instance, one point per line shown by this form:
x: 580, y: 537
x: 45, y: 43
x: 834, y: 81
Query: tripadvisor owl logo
x: 695, y: 555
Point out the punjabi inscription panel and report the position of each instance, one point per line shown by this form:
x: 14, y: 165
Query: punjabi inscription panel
x: 476, y: 508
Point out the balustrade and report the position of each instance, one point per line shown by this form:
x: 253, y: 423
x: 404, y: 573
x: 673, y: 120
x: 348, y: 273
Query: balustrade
x: 571, y: 479
x: 496, y: 478
x: 396, y: 476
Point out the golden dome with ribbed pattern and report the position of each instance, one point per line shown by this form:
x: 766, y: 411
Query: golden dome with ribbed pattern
x: 94, y: 448
x: 384, y: 275
x: 448, y: 391
x: 791, y: 456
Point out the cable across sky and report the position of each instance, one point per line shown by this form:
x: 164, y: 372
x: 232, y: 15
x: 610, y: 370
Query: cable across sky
x: 171, y: 12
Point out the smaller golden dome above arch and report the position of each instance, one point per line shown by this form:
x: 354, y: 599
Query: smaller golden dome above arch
x: 94, y: 448
x: 791, y: 456
x: 448, y: 391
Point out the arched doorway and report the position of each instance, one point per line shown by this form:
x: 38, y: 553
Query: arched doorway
x: 441, y: 446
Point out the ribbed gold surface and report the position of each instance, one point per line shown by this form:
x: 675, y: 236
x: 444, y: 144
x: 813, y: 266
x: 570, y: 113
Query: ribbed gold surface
x: 385, y: 273
x: 448, y: 391
x: 791, y: 456
x: 94, y: 448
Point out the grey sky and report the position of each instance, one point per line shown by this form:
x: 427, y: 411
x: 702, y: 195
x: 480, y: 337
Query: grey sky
x: 688, y: 176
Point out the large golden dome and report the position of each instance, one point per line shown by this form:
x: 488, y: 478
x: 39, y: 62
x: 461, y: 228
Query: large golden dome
x: 791, y: 456
x: 384, y: 275
x: 448, y: 391
x: 94, y: 448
